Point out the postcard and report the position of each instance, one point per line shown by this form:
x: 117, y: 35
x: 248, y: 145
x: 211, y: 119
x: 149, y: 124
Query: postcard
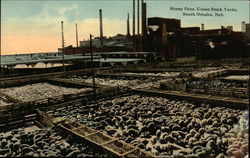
x: 125, y: 78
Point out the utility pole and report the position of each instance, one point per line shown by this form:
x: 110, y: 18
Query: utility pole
x: 76, y: 36
x: 138, y: 23
x: 92, y: 66
x: 63, y: 47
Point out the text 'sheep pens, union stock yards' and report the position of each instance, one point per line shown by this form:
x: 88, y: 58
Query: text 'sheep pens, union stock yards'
x: 200, y: 11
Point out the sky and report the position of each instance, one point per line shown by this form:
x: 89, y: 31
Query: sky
x: 31, y: 26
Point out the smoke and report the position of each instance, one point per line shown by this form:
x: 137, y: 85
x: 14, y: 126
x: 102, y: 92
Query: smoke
x: 153, y: 27
x: 211, y: 44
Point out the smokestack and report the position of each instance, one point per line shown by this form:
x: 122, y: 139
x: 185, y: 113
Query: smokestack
x: 62, y: 35
x: 138, y: 17
x: 133, y: 18
x: 144, y: 18
x: 202, y: 27
x: 243, y: 26
x: 76, y: 36
x: 128, y: 29
x: 134, y: 25
x: 101, y: 27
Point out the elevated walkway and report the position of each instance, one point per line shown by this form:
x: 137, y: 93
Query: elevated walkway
x: 110, y: 144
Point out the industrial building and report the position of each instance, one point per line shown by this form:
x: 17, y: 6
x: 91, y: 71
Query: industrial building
x: 170, y: 41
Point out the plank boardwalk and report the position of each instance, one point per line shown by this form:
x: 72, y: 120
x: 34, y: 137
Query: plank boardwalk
x: 110, y: 144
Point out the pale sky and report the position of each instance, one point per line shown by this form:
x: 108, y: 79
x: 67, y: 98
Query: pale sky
x: 35, y: 25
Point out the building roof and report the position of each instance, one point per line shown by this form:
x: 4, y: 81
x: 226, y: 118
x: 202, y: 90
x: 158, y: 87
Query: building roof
x: 8, y: 60
x: 163, y: 20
